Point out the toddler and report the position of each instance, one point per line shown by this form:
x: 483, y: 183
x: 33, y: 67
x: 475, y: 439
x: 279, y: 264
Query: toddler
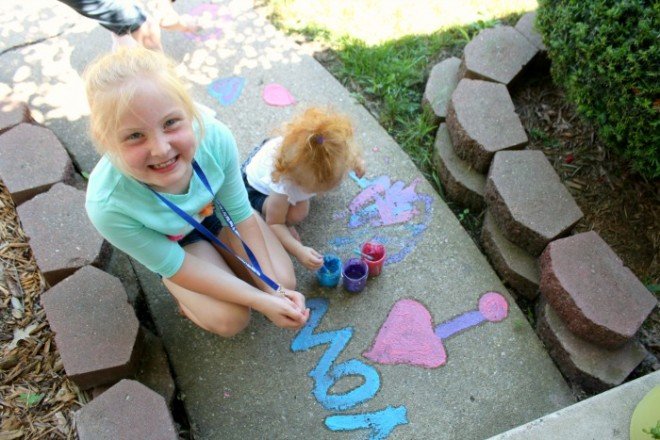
x: 312, y: 156
x: 168, y: 192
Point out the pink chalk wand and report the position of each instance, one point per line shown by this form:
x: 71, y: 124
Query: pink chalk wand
x: 407, y: 336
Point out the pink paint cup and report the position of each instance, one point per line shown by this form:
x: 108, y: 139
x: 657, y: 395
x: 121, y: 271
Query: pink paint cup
x: 374, y: 255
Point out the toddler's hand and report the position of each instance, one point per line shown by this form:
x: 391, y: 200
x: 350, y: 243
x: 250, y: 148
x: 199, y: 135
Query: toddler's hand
x: 360, y: 168
x: 309, y: 258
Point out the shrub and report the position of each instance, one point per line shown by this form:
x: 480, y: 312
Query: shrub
x: 606, y: 55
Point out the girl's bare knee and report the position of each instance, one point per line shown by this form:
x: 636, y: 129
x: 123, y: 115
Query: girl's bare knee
x: 228, y: 328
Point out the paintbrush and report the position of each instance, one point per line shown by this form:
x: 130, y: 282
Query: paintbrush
x: 362, y: 254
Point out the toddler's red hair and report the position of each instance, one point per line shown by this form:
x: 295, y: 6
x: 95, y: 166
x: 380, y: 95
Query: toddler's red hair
x: 320, y: 140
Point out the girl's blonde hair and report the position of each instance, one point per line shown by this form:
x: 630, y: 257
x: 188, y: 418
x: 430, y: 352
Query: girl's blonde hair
x: 110, y: 87
x: 321, y: 141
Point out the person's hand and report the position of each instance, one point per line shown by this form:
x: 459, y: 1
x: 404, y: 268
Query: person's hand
x: 360, y: 168
x: 286, y: 311
x: 309, y: 258
x: 148, y: 35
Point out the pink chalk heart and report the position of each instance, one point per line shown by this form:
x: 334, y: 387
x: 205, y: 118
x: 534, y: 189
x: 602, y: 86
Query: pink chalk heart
x: 407, y: 337
x: 275, y: 94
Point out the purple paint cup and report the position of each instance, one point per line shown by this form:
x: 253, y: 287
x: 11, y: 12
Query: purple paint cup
x: 355, y: 275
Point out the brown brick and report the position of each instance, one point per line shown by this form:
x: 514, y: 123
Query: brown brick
x: 61, y: 236
x: 498, y: 54
x: 96, y: 330
x: 461, y: 183
x: 528, y: 201
x: 128, y: 410
x: 516, y: 267
x: 482, y: 120
x: 593, y: 368
x: 13, y: 113
x: 32, y: 160
x: 598, y: 298
x: 526, y: 26
x: 442, y: 82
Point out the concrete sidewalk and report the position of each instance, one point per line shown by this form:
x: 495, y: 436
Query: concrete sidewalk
x: 450, y: 363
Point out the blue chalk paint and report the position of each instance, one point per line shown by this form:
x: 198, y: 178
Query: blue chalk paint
x: 227, y: 90
x: 330, y: 273
x: 325, y: 375
x: 381, y: 423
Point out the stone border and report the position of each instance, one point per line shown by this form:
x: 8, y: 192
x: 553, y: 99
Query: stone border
x: 66, y: 244
x: 527, y: 207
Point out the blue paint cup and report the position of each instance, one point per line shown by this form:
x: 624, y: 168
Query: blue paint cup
x: 328, y: 275
x: 355, y: 275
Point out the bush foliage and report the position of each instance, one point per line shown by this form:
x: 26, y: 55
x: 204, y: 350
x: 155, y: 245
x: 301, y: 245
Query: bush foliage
x: 606, y: 55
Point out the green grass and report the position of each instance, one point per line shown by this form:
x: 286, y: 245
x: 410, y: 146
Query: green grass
x: 377, y: 21
x: 388, y: 73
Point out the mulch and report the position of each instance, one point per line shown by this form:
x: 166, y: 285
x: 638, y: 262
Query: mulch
x: 37, y: 400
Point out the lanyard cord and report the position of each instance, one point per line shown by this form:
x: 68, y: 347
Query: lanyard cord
x: 254, y: 267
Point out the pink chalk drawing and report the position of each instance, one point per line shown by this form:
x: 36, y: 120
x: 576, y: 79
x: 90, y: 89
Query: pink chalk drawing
x: 400, y: 213
x: 205, y: 13
x: 407, y: 336
x: 277, y: 95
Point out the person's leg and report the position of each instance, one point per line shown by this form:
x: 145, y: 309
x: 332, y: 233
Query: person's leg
x: 215, y: 316
x: 282, y: 265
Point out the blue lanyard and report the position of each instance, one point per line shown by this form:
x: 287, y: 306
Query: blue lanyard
x: 254, y: 266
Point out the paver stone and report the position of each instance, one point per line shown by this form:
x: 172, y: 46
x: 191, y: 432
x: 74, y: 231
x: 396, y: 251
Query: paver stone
x: 13, y: 113
x: 526, y: 27
x: 462, y: 183
x: 482, y: 120
x: 96, y: 330
x: 497, y: 54
x: 154, y: 369
x: 528, y: 201
x: 442, y: 81
x: 598, y: 298
x: 128, y: 410
x: 32, y: 160
x: 594, y: 368
x: 61, y: 236
x: 515, y: 266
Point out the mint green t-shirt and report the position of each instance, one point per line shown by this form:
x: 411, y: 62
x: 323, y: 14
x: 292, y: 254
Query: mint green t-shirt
x: 132, y: 218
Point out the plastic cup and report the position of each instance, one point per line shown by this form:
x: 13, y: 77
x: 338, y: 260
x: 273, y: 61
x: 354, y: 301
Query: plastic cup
x: 355, y: 275
x: 374, y: 255
x: 328, y: 275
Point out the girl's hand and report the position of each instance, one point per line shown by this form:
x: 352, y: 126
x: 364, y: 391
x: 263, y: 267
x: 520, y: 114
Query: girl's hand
x: 286, y: 311
x: 309, y: 258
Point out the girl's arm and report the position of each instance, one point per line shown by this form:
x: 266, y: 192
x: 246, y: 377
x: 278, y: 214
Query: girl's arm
x: 201, y: 276
x: 277, y: 208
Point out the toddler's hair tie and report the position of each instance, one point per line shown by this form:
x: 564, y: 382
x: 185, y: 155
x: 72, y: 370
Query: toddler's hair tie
x: 316, y: 138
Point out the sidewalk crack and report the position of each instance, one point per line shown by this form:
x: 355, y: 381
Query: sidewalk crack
x: 30, y: 43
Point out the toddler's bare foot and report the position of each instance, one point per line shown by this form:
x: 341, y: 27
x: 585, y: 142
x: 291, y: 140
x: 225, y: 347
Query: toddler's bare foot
x: 294, y: 233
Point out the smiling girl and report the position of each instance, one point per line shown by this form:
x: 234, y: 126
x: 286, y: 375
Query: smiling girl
x: 168, y: 191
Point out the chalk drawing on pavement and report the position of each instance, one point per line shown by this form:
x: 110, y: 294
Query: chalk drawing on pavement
x: 400, y: 214
x: 408, y: 337
x: 208, y: 13
x: 327, y: 373
x: 227, y: 90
